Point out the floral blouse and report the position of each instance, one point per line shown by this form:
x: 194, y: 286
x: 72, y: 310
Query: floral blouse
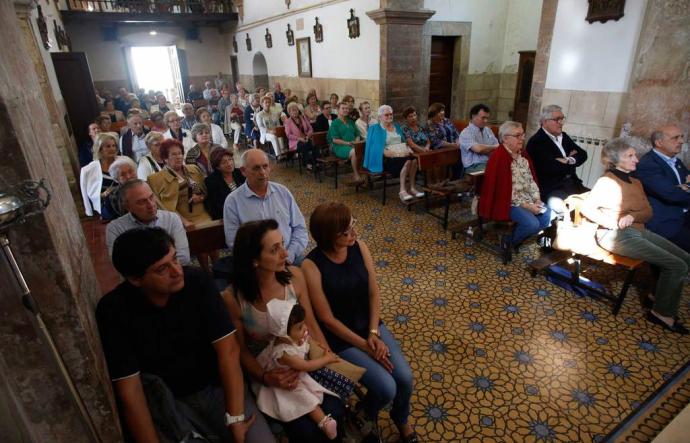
x: 441, y: 132
x: 420, y: 138
x: 525, y: 190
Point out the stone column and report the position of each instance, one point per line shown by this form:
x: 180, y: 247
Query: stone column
x: 541, y: 64
x: 52, y: 253
x: 401, y: 82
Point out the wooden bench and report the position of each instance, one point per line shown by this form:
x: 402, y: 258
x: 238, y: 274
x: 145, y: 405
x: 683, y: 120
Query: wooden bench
x: 200, y: 103
x: 371, y: 177
x: 287, y: 156
x: 445, y: 159
x: 320, y: 142
x: 207, y: 237
x: 327, y: 160
x: 598, y: 254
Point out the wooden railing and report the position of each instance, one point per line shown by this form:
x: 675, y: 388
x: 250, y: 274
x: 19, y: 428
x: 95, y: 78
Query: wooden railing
x: 153, y: 6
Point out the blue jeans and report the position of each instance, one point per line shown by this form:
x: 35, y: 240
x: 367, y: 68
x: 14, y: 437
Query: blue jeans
x: 382, y: 386
x: 528, y: 224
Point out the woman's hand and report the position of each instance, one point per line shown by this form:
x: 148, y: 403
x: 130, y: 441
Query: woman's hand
x: 626, y: 221
x: 284, y: 378
x: 331, y: 357
x: 197, y: 198
x: 379, y: 351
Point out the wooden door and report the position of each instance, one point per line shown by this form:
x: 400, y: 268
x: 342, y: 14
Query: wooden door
x: 441, y: 72
x: 524, y: 86
x: 76, y: 86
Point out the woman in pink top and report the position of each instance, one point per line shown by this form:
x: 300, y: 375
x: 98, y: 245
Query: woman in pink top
x: 299, y: 133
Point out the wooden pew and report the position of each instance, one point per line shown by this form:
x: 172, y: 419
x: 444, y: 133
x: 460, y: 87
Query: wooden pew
x: 445, y: 159
x: 327, y: 159
x: 372, y: 177
x: 206, y: 237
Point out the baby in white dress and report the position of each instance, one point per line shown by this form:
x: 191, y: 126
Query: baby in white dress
x: 288, y: 349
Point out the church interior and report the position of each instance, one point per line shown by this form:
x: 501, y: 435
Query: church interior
x: 501, y: 349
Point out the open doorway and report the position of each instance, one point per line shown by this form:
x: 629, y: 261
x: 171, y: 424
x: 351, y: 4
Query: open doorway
x: 157, y: 68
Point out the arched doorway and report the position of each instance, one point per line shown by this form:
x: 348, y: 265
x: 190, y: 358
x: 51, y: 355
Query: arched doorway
x: 260, y: 70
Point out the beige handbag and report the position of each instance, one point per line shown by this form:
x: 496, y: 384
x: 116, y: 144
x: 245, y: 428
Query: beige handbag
x: 397, y: 150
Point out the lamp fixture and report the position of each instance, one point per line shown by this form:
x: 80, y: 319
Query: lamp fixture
x: 153, y: 32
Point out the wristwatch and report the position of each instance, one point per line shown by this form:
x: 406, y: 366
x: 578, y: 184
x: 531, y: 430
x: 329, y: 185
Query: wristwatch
x: 375, y: 332
x: 232, y: 419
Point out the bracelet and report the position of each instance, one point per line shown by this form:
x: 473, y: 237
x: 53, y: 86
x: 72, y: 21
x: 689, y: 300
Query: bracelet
x: 374, y: 332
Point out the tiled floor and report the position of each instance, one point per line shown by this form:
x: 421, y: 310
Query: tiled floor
x: 497, y: 355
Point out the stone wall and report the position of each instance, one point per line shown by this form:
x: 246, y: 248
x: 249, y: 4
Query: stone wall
x: 588, y: 113
x: 497, y: 91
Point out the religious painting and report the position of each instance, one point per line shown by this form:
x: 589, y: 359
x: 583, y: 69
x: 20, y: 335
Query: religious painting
x: 353, y: 25
x: 269, y: 39
x: 290, y: 36
x: 304, y: 57
x: 248, y: 41
x: 318, y: 31
x: 605, y: 10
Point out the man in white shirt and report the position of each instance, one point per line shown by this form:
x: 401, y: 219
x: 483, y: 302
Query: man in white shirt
x: 132, y: 142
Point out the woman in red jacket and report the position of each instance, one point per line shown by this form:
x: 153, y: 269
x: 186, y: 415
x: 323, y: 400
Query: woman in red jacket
x: 509, y: 189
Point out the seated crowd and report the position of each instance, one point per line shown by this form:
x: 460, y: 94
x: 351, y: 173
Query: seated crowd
x: 240, y: 363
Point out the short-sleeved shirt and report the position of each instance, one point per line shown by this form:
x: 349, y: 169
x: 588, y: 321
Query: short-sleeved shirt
x: 441, y: 132
x: 344, y: 131
x: 473, y: 135
x: 420, y: 138
x: 174, y: 342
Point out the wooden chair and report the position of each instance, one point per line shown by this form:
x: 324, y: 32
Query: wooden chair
x: 371, y: 177
x: 592, y: 252
x: 320, y: 141
x: 149, y: 124
x: 445, y: 159
x: 286, y: 156
x: 329, y: 160
x: 460, y: 124
x: 117, y: 126
x: 206, y: 237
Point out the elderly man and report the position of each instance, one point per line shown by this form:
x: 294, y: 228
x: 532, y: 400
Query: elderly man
x: 171, y: 381
x: 259, y: 199
x: 193, y: 94
x: 665, y: 179
x: 189, y: 118
x: 207, y: 94
x: 139, y: 202
x: 162, y: 104
x: 132, y: 142
x: 555, y: 157
x: 278, y: 95
x: 477, y: 141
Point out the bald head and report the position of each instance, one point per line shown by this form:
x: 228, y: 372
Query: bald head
x: 257, y: 169
x: 668, y: 140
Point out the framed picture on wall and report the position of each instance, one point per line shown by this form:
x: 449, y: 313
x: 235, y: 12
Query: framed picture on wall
x: 304, y: 57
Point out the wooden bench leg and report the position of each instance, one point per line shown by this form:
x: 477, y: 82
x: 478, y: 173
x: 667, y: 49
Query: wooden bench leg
x: 624, y: 291
x: 383, y: 191
x: 336, y: 174
x: 445, y: 212
x: 506, y: 248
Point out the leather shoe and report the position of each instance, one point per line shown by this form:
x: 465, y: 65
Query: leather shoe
x: 677, y: 326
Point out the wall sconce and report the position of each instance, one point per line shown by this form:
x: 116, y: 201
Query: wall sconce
x: 318, y: 31
x: 290, y: 36
x: 353, y: 25
x: 269, y: 39
x: 248, y: 41
x: 234, y: 43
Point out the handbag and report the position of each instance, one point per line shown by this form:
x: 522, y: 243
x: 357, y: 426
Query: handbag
x: 397, y: 150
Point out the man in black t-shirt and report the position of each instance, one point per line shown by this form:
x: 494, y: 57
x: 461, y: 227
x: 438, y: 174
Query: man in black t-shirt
x: 171, y: 349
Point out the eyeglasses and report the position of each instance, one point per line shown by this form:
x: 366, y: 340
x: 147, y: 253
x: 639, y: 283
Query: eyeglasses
x: 558, y: 120
x: 520, y: 135
x: 349, y: 229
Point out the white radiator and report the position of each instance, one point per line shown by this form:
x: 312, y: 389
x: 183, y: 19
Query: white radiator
x: 592, y: 169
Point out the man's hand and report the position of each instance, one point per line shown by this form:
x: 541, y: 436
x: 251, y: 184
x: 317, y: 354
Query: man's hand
x: 562, y: 160
x: 573, y: 152
x: 626, y: 221
x: 239, y: 430
x: 283, y: 378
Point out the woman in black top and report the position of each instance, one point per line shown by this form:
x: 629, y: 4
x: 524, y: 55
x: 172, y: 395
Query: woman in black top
x: 345, y: 298
x: 222, y: 181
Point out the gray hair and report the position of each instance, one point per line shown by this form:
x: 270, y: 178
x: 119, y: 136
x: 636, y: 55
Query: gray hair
x: 507, y: 127
x: 169, y: 114
x: 152, y: 137
x: 252, y: 96
x: 547, y: 111
x: 198, y: 127
x: 117, y: 165
x: 656, y: 136
x: 384, y: 108
x: 640, y: 145
x: 611, y: 153
x: 123, y: 190
x: 100, y: 139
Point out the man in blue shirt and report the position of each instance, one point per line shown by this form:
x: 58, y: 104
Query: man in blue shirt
x: 260, y: 199
x: 477, y: 141
x: 665, y: 179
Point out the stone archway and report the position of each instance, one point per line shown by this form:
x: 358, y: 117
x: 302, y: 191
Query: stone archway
x: 260, y: 70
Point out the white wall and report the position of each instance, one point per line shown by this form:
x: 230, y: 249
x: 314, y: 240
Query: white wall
x: 593, y: 57
x: 337, y: 56
x: 209, y: 56
x: 500, y: 28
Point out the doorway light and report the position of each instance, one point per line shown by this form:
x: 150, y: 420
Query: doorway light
x: 153, y: 32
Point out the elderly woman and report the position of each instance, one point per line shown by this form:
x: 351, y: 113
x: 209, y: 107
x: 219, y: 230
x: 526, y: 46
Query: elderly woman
x: 200, y: 154
x: 342, y: 135
x: 234, y: 117
x: 618, y: 204
x: 267, y: 121
x: 440, y: 130
x: 176, y: 131
x: 386, y: 149
x: 95, y: 180
x: 222, y: 181
x: 122, y: 170
x: 365, y: 119
x: 112, y: 113
x: 509, y: 189
x: 415, y: 135
x: 342, y: 287
x: 203, y: 115
x: 312, y: 110
x: 180, y: 188
x: 299, y: 133
x: 158, y: 122
x: 151, y: 162
x: 261, y: 274
x: 251, y: 130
